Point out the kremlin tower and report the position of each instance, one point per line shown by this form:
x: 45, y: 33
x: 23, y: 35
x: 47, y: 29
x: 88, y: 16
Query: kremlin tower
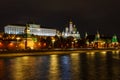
x: 70, y: 26
x: 28, y: 41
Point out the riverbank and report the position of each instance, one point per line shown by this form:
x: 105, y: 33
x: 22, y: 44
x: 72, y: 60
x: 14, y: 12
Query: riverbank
x: 53, y: 51
x: 59, y: 49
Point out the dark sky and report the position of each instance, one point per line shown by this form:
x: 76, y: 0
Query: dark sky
x: 88, y: 15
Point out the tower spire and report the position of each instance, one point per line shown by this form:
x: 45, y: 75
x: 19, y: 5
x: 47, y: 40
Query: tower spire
x: 27, y: 30
x: 70, y: 26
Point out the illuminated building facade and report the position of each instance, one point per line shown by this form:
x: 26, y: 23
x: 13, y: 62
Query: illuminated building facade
x: 34, y: 29
x: 71, y: 31
x: 114, y: 41
x: 98, y: 42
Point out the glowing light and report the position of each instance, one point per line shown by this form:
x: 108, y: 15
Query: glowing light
x: 1, y: 44
x: 39, y: 44
x: 74, y: 55
x: 113, y: 52
x: 53, y: 40
x: 11, y: 44
x: 25, y: 58
x: 22, y: 46
x: 18, y: 38
x: 103, y: 52
x: 30, y: 43
x: 92, y: 53
x: 117, y: 51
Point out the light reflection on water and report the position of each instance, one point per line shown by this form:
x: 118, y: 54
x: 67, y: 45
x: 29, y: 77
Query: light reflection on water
x: 75, y: 66
x: 75, y: 61
x: 22, y: 68
x: 54, y: 71
x: 65, y: 67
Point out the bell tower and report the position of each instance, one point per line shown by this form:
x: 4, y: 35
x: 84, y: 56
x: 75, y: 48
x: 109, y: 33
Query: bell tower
x: 71, y: 26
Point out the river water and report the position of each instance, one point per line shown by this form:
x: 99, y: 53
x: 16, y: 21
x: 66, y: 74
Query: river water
x: 75, y: 66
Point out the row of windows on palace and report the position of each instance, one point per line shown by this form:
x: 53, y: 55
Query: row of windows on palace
x: 35, y: 29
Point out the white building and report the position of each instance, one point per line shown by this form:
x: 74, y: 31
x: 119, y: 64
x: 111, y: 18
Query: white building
x: 71, y: 31
x: 34, y: 29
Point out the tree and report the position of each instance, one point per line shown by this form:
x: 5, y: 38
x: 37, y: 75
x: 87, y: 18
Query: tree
x: 48, y: 42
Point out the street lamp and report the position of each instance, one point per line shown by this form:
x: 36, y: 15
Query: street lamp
x: 75, y: 42
x: 18, y: 38
x: 53, y: 40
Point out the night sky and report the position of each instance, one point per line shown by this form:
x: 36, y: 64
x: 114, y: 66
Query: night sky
x: 88, y: 15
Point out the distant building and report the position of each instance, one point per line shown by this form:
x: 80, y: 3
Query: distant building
x: 34, y: 29
x: 71, y: 31
x: 98, y: 42
x: 114, y: 41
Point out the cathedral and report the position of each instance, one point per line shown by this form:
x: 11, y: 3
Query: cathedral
x: 71, y: 30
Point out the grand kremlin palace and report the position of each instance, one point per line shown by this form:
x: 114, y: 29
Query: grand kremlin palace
x: 34, y: 29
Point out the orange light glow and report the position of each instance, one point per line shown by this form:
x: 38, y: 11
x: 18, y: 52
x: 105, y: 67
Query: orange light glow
x: 44, y: 44
x: 1, y: 44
